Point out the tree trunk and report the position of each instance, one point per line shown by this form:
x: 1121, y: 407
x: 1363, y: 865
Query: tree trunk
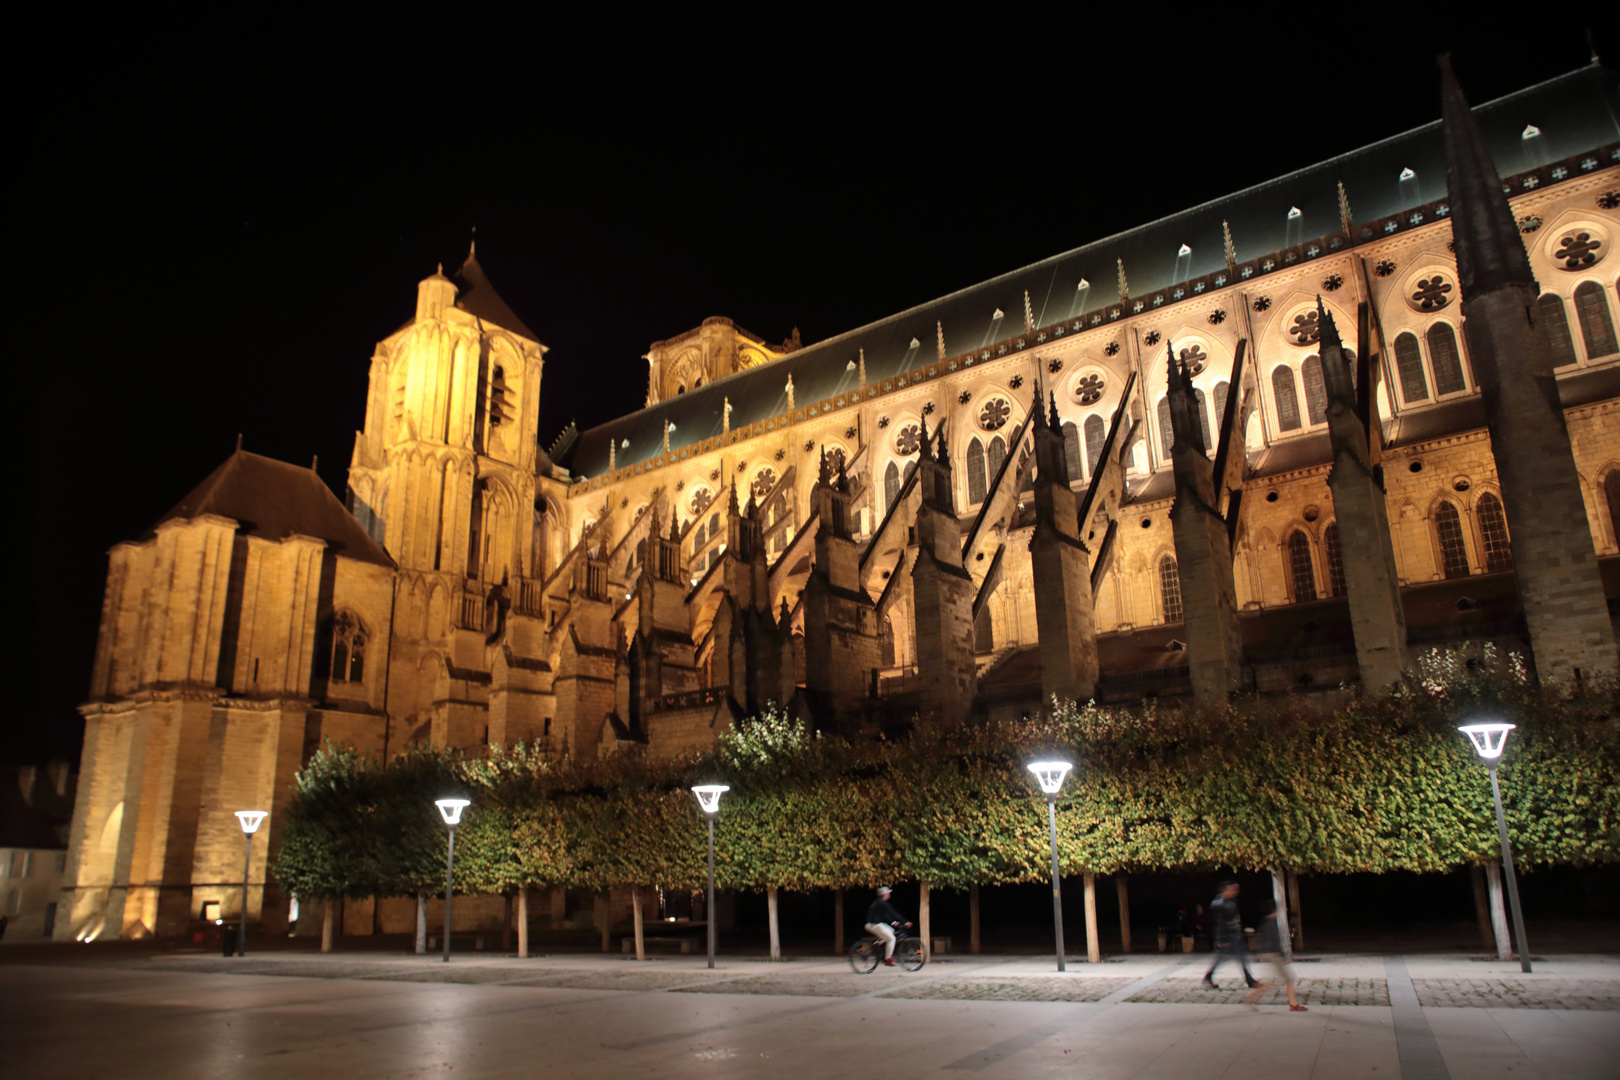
x: 1294, y: 911
x: 641, y: 937
x: 838, y: 922
x: 329, y: 910
x: 973, y: 919
x: 523, y: 924
x: 1279, y: 897
x: 604, y: 918
x: 1124, y: 913
x: 1499, y: 923
x: 776, y: 930
x: 506, y: 926
x: 1093, y: 945
x: 925, y: 921
x: 421, y: 924
x: 1482, y: 908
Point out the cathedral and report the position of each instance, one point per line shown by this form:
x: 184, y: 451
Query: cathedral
x: 1284, y: 441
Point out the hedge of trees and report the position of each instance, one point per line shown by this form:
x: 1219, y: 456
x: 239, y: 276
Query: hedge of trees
x: 1364, y: 785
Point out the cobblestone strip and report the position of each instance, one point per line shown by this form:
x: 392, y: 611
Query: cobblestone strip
x: 1589, y: 994
x: 1013, y: 989
x: 817, y: 985
x: 1308, y: 991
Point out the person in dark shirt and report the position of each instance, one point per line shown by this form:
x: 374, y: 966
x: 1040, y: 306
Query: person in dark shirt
x: 1227, y: 925
x: 881, y: 920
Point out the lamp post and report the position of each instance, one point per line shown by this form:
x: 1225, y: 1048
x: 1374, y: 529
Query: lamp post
x: 251, y: 820
x: 709, y: 799
x: 1050, y: 774
x: 1488, y: 740
x: 451, y: 809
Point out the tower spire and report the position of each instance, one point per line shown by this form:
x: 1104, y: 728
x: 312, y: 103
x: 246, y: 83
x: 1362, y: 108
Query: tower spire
x: 1231, y: 251
x: 1490, y: 253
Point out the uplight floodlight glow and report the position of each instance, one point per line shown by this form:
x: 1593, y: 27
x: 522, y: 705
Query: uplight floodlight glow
x: 451, y: 809
x: 251, y: 819
x: 1050, y: 774
x: 709, y: 796
x: 1488, y: 739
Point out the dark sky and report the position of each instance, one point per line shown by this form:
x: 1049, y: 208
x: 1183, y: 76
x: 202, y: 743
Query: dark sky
x: 213, y: 222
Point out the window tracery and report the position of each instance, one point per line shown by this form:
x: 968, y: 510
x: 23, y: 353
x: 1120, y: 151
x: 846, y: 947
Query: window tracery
x: 1493, y: 533
x: 348, y: 649
x: 1286, y: 397
x: 1301, y: 567
x: 1448, y: 531
x: 1170, y: 589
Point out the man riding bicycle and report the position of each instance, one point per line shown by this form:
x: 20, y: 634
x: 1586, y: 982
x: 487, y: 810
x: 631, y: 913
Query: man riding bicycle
x: 881, y: 920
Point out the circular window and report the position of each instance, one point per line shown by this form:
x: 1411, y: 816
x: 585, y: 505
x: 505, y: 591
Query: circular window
x: 1271, y: 496
x: 1416, y: 466
x: 1578, y: 247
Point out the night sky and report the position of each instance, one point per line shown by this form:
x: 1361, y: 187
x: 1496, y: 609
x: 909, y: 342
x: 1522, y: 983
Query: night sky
x: 213, y: 222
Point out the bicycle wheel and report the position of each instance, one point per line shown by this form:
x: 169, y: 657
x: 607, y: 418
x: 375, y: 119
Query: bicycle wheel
x: 864, y: 955
x: 911, y: 954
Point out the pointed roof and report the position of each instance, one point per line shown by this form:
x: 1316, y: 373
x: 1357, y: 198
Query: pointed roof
x: 1490, y: 253
x: 274, y: 500
x: 478, y: 297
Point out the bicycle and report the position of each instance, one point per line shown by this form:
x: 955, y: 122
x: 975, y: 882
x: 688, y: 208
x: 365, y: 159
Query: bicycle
x: 866, y: 953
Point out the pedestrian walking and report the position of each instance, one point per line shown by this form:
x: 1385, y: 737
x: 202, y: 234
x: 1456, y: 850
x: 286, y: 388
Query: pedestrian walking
x: 1268, y: 946
x: 1227, y: 925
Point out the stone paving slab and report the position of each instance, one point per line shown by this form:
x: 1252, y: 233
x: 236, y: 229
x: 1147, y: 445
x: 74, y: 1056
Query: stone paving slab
x: 622, y: 980
x: 846, y: 984
x: 1049, y: 988
x: 1309, y: 992
x: 1598, y: 994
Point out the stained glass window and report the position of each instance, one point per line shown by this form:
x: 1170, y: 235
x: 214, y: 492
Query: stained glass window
x: 1301, y: 567
x: 1493, y: 533
x: 1282, y: 388
x: 1315, y: 390
x: 1335, y: 559
x: 1453, y: 552
x: 1448, y: 373
x: 1170, y: 589
x: 1409, y: 363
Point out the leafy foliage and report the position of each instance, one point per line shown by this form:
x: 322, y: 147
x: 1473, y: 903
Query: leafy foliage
x: 1368, y: 785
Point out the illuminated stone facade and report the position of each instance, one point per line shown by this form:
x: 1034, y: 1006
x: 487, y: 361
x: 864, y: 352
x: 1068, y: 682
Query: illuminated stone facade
x: 805, y: 523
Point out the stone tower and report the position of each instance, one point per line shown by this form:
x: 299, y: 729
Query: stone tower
x: 1203, y: 551
x: 1371, y: 580
x: 942, y: 591
x: 1060, y: 566
x: 1551, y: 539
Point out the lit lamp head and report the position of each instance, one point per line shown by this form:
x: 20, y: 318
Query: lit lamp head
x: 709, y: 796
x: 1050, y: 774
x: 451, y: 809
x: 1488, y: 739
x: 251, y: 819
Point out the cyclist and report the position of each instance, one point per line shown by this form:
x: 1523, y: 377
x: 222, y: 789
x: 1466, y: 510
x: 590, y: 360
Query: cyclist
x: 881, y: 920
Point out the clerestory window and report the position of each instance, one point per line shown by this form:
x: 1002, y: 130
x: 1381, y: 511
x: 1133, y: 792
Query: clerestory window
x: 348, y: 649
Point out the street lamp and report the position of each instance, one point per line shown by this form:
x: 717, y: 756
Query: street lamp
x: 1488, y: 740
x: 251, y: 820
x: 709, y: 799
x: 451, y: 809
x: 1050, y: 774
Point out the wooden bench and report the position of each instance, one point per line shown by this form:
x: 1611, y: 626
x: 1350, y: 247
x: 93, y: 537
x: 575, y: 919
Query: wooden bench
x: 683, y: 945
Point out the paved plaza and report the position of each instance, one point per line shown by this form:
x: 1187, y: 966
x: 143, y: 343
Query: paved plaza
x: 124, y: 1014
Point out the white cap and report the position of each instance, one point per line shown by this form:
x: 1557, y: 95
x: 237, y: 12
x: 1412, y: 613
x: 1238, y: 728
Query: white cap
x: 882, y: 889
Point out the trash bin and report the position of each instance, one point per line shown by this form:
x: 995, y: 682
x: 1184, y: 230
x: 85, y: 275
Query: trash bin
x: 227, y: 939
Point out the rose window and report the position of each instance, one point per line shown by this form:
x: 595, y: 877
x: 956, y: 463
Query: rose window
x: 994, y: 414
x: 1578, y: 250
x: 701, y: 500
x: 1193, y: 358
x: 763, y: 482
x: 1090, y: 389
x: 1306, y: 330
x: 908, y: 440
x: 1431, y: 293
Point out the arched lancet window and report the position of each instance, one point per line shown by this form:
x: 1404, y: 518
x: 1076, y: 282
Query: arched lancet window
x: 976, y: 476
x: 1556, y: 320
x: 714, y: 526
x: 995, y: 455
x: 1597, y: 325
x: 1315, y: 390
x: 1611, y: 494
x: 1170, y: 589
x: 1448, y: 530
x: 1222, y: 390
x: 1493, y: 534
x: 1335, y: 559
x: 1301, y: 567
x: 1282, y: 389
x: 1096, y: 432
x: 1443, y: 354
x: 886, y: 642
x: 1203, y: 417
x: 1167, y: 435
x: 348, y: 649
x: 1071, y: 451
x: 983, y: 638
x: 1409, y: 364
x: 891, y: 485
